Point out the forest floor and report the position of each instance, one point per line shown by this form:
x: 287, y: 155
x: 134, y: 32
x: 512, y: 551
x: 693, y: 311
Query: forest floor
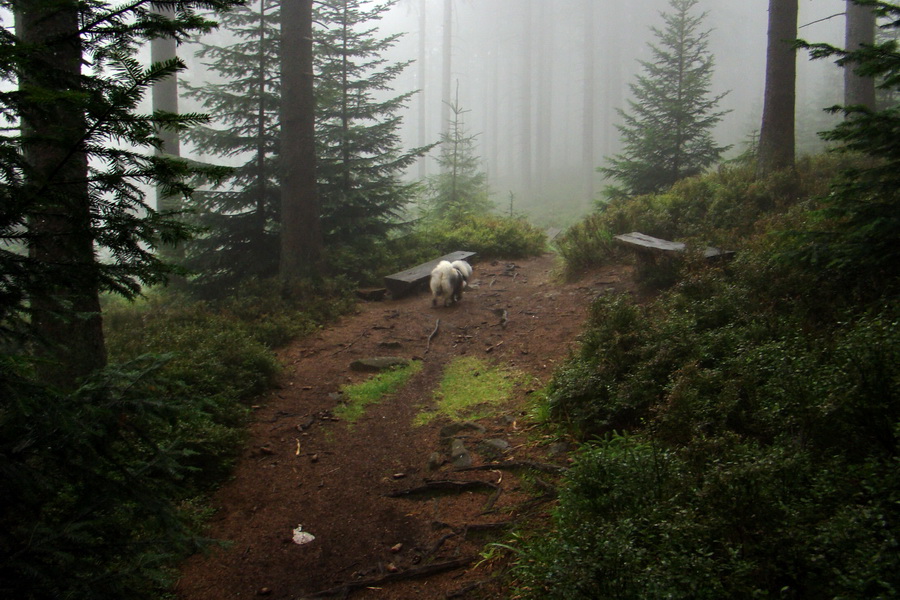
x: 392, y: 517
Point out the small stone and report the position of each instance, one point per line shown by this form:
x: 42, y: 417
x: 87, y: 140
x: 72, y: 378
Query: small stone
x: 264, y: 591
x: 435, y: 460
x: 314, y: 458
x: 392, y: 568
x: 398, y: 475
x: 396, y: 548
x: 459, y: 455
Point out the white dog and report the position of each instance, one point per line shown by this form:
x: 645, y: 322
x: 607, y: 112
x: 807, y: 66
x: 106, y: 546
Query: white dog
x: 446, y: 283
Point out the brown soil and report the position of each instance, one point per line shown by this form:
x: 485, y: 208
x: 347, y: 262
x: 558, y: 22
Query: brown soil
x: 303, y: 467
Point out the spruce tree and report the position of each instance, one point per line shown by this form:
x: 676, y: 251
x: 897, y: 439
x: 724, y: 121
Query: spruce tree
x: 460, y: 189
x: 241, y: 216
x: 73, y: 173
x: 360, y: 156
x: 855, y: 244
x: 667, y: 132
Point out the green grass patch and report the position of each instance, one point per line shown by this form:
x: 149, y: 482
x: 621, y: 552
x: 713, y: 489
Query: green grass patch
x: 360, y: 395
x: 470, y: 389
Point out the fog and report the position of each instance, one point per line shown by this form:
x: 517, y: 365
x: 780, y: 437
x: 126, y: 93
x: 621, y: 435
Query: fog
x: 523, y: 70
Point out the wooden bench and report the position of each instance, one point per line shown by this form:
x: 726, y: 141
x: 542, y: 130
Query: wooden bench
x: 649, y: 245
x: 405, y: 282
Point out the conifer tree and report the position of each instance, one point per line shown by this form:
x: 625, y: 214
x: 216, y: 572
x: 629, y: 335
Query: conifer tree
x: 241, y: 216
x: 360, y: 157
x: 667, y: 131
x: 72, y: 174
x: 461, y: 188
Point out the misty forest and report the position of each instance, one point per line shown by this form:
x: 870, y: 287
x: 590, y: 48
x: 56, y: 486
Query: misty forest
x: 196, y: 195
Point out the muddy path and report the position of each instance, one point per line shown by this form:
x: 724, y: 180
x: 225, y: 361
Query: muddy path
x: 385, y: 525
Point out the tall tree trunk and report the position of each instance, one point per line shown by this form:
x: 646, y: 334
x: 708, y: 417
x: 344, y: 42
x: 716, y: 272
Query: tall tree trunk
x: 423, y: 78
x: 164, y: 95
x: 526, y: 93
x: 589, y: 166
x: 447, y: 69
x: 261, y: 147
x: 859, y: 30
x: 65, y: 302
x: 301, y: 233
x: 776, y: 136
x: 544, y: 141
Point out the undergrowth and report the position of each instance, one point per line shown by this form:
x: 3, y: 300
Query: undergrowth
x: 740, y: 432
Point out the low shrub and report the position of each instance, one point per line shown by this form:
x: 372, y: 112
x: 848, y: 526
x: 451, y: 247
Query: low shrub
x: 491, y: 237
x: 763, y: 429
x: 96, y: 482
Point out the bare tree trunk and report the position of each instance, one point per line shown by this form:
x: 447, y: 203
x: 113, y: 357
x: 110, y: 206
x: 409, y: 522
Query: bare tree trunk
x: 776, y: 136
x: 859, y: 30
x: 544, y: 141
x: 589, y: 166
x: 301, y: 234
x: 423, y: 78
x: 65, y: 302
x: 164, y: 95
x: 447, y: 70
x: 526, y: 93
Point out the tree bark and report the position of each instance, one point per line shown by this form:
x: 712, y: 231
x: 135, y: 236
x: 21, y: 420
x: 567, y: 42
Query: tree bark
x: 447, y: 67
x: 859, y: 31
x: 776, y: 136
x: 588, y: 157
x: 65, y: 299
x: 164, y: 96
x: 301, y: 234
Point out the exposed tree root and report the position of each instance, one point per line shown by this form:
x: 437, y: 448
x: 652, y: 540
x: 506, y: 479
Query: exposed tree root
x: 346, y: 589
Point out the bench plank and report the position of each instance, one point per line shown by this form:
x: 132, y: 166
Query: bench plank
x: 642, y: 241
x: 405, y: 282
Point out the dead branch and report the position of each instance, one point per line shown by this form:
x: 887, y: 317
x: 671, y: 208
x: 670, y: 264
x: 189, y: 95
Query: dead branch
x: 346, y: 589
x: 437, y: 326
x: 350, y: 345
x: 443, y: 485
x: 513, y: 465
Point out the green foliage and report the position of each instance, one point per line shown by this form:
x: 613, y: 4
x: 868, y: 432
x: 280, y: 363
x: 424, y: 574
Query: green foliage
x: 585, y: 244
x: 724, y: 209
x: 240, y: 216
x: 116, y: 138
x: 460, y: 190
x: 491, y: 237
x: 667, y: 132
x: 855, y: 238
x: 93, y: 481
x: 373, y: 390
x: 361, y: 161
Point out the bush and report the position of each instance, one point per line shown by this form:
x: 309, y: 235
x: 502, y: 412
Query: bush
x: 94, y: 481
x: 490, y: 237
x: 723, y: 208
x: 764, y: 420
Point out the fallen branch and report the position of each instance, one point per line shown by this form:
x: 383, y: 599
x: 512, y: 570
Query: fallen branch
x: 412, y: 573
x: 444, y: 486
x: 512, y: 465
x: 437, y: 326
x: 348, y: 346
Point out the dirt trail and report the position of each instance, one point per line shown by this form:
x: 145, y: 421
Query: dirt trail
x: 301, y: 467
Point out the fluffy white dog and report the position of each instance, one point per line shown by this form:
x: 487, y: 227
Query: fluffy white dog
x: 446, y: 283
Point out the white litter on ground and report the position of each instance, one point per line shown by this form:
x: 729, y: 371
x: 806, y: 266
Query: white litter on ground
x: 301, y: 537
